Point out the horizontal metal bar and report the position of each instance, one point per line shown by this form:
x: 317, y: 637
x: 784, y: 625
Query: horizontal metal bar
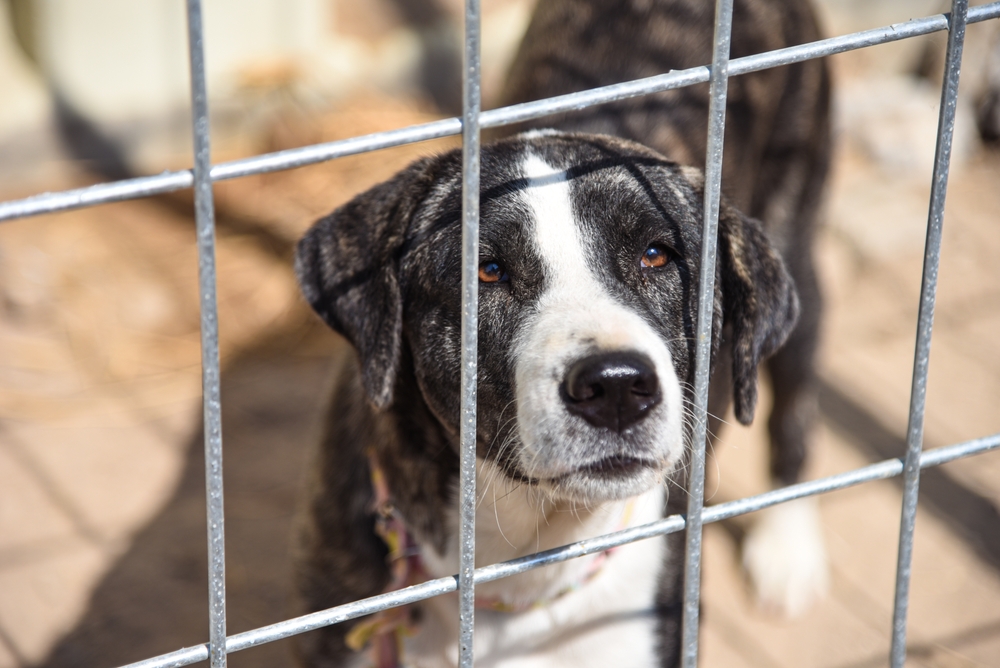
x: 167, y: 181
x: 311, y: 622
x: 300, y: 157
x: 342, y: 613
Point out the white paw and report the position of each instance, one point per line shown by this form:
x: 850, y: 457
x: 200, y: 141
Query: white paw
x: 785, y: 557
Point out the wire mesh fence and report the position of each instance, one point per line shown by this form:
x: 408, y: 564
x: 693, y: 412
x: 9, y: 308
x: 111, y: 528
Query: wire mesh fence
x: 717, y: 74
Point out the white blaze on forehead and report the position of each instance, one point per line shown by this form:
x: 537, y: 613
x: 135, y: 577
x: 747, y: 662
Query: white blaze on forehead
x: 557, y: 234
x: 575, y: 304
x: 577, y: 315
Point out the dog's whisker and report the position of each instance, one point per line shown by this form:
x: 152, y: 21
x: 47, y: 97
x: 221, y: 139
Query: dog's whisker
x: 496, y: 514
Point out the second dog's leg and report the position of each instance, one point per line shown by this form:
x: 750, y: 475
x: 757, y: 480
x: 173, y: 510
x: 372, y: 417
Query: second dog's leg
x: 784, y: 551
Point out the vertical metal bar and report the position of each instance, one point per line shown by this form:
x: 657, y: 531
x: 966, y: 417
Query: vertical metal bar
x: 706, y: 301
x: 470, y: 331
x: 205, y: 221
x: 925, y: 324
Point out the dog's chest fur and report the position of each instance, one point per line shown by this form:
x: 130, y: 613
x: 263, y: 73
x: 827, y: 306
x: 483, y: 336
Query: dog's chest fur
x: 596, y: 610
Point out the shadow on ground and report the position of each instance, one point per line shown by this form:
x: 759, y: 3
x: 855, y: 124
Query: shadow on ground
x: 154, y: 599
x: 971, y: 516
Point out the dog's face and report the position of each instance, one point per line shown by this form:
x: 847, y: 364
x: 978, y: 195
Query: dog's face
x: 589, y: 253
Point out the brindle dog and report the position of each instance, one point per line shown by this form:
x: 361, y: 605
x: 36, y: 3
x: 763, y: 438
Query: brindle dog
x: 590, y: 246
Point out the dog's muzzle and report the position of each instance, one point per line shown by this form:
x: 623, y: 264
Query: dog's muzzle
x: 611, y: 390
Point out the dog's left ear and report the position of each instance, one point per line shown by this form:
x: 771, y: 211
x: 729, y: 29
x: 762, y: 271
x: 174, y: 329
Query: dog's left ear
x: 348, y: 269
x: 759, y: 301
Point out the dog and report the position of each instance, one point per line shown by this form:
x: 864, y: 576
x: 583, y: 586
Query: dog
x: 589, y: 254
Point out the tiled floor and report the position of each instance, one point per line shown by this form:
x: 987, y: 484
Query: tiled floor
x: 100, y: 387
x: 867, y: 360
x: 101, y: 515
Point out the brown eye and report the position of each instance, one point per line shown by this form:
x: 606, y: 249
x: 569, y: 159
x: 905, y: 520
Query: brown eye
x: 492, y: 272
x: 653, y: 257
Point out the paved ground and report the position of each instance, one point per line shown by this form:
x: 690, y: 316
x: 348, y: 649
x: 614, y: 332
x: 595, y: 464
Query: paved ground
x: 101, y: 493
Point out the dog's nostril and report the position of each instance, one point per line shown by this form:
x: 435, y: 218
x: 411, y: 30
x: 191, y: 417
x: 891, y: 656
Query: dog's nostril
x: 645, y: 387
x: 612, y: 390
x: 583, y: 392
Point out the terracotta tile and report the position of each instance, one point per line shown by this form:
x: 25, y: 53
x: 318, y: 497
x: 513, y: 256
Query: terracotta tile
x: 7, y: 657
x: 114, y: 474
x: 44, y: 599
x: 28, y: 514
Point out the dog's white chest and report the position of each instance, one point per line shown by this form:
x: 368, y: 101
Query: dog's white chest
x: 608, y: 620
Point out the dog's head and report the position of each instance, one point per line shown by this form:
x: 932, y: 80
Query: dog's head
x: 589, y: 255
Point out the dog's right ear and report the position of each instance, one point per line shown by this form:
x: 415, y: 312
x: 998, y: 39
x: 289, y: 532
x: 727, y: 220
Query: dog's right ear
x: 759, y: 302
x: 348, y: 268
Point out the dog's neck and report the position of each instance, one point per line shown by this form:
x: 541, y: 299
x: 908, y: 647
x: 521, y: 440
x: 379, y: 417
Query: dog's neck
x: 514, y: 519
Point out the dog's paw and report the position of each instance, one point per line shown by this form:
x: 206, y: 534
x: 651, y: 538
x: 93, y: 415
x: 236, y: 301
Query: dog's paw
x: 784, y: 555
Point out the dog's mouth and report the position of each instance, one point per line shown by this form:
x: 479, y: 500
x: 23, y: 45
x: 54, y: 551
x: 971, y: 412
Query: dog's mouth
x: 615, y: 477
x: 613, y: 467
x: 617, y: 465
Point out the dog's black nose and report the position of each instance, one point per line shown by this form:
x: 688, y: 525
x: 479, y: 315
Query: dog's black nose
x: 612, y: 390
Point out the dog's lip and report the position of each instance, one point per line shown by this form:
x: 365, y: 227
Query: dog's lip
x: 617, y: 465
x: 612, y: 466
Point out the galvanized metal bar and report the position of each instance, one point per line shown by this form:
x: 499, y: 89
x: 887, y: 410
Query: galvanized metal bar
x: 884, y: 470
x: 289, y: 159
x: 205, y: 223
x: 718, y: 86
x: 470, y: 334
x: 925, y: 325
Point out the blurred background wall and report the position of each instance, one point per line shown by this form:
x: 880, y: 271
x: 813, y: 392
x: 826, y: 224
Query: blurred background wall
x: 121, y: 65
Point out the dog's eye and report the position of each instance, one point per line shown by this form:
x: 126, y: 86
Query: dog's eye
x: 492, y: 272
x: 653, y: 257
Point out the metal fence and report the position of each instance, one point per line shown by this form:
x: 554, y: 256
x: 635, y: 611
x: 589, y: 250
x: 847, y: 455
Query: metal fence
x: 717, y: 74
